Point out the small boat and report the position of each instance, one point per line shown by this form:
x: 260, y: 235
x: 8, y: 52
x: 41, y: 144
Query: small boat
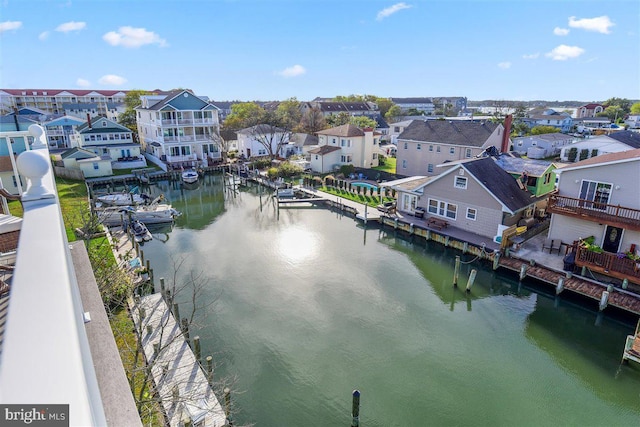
x: 155, y: 213
x: 123, y: 199
x: 190, y: 176
x: 140, y: 231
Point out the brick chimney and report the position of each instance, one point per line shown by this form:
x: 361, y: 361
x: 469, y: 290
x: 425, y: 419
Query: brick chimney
x: 89, y: 120
x: 504, y: 148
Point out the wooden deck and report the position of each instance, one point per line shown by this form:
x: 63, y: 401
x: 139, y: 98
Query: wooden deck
x: 618, y: 298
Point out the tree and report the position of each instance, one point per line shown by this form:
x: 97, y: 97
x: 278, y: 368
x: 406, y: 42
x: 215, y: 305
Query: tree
x: 539, y: 130
x: 613, y: 113
x: 393, y: 114
x: 384, y: 104
x: 635, y: 109
x: 312, y: 121
x: 363, y: 122
x: 334, y: 120
x: 131, y: 101
x: 623, y: 103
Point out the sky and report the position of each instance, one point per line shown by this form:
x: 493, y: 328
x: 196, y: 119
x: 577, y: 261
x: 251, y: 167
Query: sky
x: 265, y: 50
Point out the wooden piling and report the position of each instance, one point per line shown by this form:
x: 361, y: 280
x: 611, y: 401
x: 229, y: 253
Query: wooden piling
x: 560, y: 286
x: 496, y: 260
x: 456, y: 271
x: 176, y: 311
x: 185, y: 329
x: 523, y: 271
x: 465, y: 247
x: 625, y: 283
x: 472, y: 278
x: 210, y: 370
x: 162, y: 285
x: 604, y: 300
x: 355, y: 408
x: 227, y: 404
x: 196, y: 347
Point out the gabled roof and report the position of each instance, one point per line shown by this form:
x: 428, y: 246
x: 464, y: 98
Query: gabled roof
x: 591, y: 106
x: 627, y: 137
x: 465, y: 133
x: 343, y: 131
x: 97, y: 127
x: 303, y: 139
x: 166, y: 103
x: 53, y: 92
x: 324, y: 149
x: 261, y: 129
x: 517, y: 165
x: 78, y: 154
x: 65, y: 121
x: 612, y: 158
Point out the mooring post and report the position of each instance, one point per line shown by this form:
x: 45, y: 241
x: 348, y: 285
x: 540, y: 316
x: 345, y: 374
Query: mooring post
x: 456, y: 271
x: 168, y: 298
x: 210, y: 370
x: 496, y: 260
x: 465, y: 247
x: 355, y: 408
x: 472, y: 278
x: 176, y: 311
x: 196, y: 347
x: 446, y: 241
x: 365, y: 214
x: 625, y: 283
x: 523, y: 271
x: 604, y: 300
x: 185, y: 329
x: 227, y: 404
x: 583, y: 272
x: 560, y: 286
x: 141, y: 253
x: 428, y: 237
x: 162, y: 285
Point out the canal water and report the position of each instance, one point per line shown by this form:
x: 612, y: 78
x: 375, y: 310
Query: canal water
x: 304, y: 305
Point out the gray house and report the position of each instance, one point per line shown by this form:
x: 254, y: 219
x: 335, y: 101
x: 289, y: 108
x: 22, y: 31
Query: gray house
x: 541, y: 146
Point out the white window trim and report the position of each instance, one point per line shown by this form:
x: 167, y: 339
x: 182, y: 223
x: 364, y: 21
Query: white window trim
x: 455, y: 182
x: 475, y: 215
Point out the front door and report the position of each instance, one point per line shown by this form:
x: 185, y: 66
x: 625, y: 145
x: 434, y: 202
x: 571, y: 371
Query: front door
x: 612, y: 238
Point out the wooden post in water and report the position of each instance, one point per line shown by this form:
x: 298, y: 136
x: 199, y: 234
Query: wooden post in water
x: 227, y: 404
x: 355, y: 408
x: 496, y: 260
x: 162, y: 285
x: 365, y: 214
x: 625, y: 283
x: 446, y: 241
x: 210, y: 370
x: 141, y: 253
x: 523, y: 271
x: 604, y: 300
x: 472, y: 278
x: 196, y: 347
x: 560, y: 286
x: 185, y: 329
x: 176, y: 311
x: 456, y: 271
x: 583, y: 272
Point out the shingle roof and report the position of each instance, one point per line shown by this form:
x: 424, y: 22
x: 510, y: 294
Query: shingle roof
x: 627, y: 137
x: 466, y: 133
x: 502, y: 185
x: 325, y: 149
x: 518, y: 165
x: 344, y: 130
x: 605, y: 158
x: 304, y: 139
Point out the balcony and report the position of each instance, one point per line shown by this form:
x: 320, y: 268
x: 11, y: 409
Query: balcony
x: 615, y: 215
x: 608, y: 264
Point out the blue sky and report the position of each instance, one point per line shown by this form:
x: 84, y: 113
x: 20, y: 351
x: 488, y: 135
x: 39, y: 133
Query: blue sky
x: 276, y: 49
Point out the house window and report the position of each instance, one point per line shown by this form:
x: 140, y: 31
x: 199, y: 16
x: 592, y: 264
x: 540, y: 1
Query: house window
x: 333, y: 141
x: 597, y: 192
x: 452, y: 150
x: 404, y: 164
x: 317, y: 157
x: 441, y: 208
x: 460, y: 182
x: 438, y: 149
x: 430, y: 147
x: 396, y: 128
x: 468, y: 153
x: 418, y: 147
x: 471, y: 214
x: 430, y: 168
x: 104, y: 124
x: 547, y: 178
x: 95, y: 166
x: 406, y: 145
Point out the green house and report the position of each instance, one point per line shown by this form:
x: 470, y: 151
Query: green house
x: 536, y: 176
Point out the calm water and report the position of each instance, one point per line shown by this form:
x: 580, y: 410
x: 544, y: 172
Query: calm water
x: 309, y: 306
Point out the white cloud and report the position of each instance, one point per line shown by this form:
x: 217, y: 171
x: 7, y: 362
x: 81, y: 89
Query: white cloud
x: 67, y: 27
x: 10, y: 25
x: 531, y: 55
x: 296, y: 70
x: 133, y: 37
x: 600, y: 24
x: 560, y: 31
x: 112, y: 80
x: 44, y: 35
x: 391, y: 10
x: 564, y: 52
x: 83, y: 83
x: 504, y: 65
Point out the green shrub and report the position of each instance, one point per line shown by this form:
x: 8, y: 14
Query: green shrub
x: 573, y: 153
x: 272, y: 173
x: 289, y: 169
x: 347, y: 170
x: 584, y: 154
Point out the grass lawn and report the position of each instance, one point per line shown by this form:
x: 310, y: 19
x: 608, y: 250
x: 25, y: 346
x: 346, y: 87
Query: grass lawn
x: 368, y: 200
x: 389, y: 165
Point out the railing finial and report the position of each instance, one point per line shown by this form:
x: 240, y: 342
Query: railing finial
x: 34, y: 165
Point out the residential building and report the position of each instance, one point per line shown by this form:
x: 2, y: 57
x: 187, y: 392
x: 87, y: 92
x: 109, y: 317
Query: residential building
x: 89, y: 163
x: 425, y: 144
x: 60, y: 130
x: 633, y: 121
x: 358, y: 147
x: 424, y: 105
x: 179, y: 129
x: 328, y: 108
x: 538, y: 177
x: 303, y: 143
x: 549, y: 117
x: 263, y: 140
x: 476, y: 195
x: 589, y: 110
x: 15, y: 138
x: 52, y: 100
x: 109, y: 140
x: 110, y: 110
x: 599, y: 198
x: 604, y: 144
x: 395, y: 129
x: 541, y: 146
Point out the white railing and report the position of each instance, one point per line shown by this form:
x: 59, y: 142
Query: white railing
x: 45, y: 354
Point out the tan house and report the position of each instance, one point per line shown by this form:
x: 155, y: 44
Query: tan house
x: 349, y: 145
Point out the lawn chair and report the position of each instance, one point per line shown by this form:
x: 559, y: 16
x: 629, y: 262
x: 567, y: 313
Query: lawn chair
x: 548, y: 244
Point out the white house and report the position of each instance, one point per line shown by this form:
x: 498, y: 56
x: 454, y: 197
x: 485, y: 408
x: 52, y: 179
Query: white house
x: 395, y: 129
x: 263, y: 140
x: 179, y: 129
x: 615, y: 142
x: 633, y: 121
x: 541, y: 146
x: 358, y: 147
x: 91, y: 164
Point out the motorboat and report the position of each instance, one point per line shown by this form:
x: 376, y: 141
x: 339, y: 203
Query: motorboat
x: 190, y: 176
x: 123, y: 199
x: 140, y: 231
x: 155, y: 213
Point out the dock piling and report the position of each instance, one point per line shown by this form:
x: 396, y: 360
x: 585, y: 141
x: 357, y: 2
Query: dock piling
x: 185, y: 329
x: 162, y: 285
x: 176, y: 310
x: 456, y: 271
x: 472, y: 278
x: 210, y: 370
x: 523, y: 271
x: 355, y: 408
x: 196, y: 347
x: 227, y: 404
x: 604, y: 300
x: 496, y: 260
x: 560, y: 286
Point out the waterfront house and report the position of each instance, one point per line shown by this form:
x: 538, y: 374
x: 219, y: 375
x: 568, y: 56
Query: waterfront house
x: 549, y: 117
x: 355, y: 146
x: 599, y: 197
x: 537, y: 176
x: 604, y: 144
x: 476, y: 195
x: 328, y: 108
x: 263, y: 140
x: 425, y: 144
x: 108, y: 139
x: 589, y: 110
x: 179, y: 129
x: 541, y: 146
x: 303, y: 143
x: 88, y: 162
x: 633, y: 121
x: 60, y: 130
